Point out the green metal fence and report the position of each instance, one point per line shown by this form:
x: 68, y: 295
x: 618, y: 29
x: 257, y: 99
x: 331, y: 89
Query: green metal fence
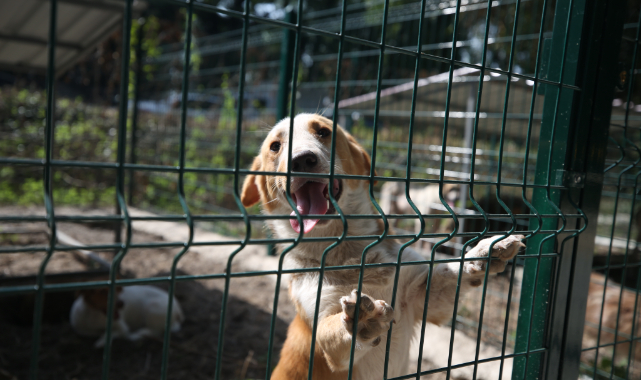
x: 548, y: 144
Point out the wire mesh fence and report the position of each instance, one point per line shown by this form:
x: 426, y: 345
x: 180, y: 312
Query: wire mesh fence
x: 610, y: 347
x: 470, y: 112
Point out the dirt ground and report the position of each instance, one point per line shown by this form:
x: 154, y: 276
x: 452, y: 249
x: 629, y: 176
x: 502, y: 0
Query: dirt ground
x: 193, y: 350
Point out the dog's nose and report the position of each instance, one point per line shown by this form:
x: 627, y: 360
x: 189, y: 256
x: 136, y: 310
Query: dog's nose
x: 304, y: 161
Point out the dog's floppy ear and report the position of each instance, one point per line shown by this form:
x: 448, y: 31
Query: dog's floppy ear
x: 360, y: 156
x: 250, y: 195
x: 367, y: 162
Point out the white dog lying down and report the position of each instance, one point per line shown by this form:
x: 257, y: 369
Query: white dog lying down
x: 140, y: 311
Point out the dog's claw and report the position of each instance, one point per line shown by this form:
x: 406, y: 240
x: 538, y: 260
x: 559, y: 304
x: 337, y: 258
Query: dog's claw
x: 349, y: 307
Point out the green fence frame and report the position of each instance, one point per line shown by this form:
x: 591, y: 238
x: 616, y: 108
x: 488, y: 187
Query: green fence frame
x: 555, y: 275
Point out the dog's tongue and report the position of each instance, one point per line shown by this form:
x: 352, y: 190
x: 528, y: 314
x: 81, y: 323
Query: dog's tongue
x: 310, y: 200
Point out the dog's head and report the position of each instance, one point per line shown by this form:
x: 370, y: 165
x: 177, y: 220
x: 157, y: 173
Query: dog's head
x: 311, y: 149
x: 99, y: 299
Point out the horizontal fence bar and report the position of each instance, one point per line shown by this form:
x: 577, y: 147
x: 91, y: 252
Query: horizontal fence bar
x: 126, y: 282
x: 612, y: 344
x: 173, y: 218
x: 61, y: 163
x: 102, y: 247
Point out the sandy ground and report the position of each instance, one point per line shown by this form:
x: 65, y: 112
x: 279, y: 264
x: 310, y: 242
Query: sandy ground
x: 193, y: 350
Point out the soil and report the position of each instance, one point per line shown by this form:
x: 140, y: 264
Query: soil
x: 193, y: 350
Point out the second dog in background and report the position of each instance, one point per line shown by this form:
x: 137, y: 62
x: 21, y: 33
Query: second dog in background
x: 426, y: 199
x: 140, y: 311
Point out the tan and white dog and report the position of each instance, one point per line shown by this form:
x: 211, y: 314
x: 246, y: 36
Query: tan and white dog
x: 311, y: 154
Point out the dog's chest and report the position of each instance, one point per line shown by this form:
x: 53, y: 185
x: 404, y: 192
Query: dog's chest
x: 377, y: 282
x: 303, y: 290
x: 304, y: 293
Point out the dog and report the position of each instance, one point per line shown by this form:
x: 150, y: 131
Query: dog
x: 311, y: 154
x: 425, y: 198
x: 139, y: 312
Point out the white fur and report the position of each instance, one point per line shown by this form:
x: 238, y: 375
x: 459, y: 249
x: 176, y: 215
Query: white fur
x: 143, y: 314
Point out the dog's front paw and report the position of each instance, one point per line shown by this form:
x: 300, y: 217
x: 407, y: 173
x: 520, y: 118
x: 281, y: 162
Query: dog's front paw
x: 374, y: 317
x: 502, y: 251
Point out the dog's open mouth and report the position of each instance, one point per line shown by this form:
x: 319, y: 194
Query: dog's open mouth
x: 312, y: 198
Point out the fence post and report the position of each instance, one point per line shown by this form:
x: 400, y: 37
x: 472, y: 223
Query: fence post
x: 554, y: 315
x: 587, y: 155
x: 286, y: 64
x: 551, y: 157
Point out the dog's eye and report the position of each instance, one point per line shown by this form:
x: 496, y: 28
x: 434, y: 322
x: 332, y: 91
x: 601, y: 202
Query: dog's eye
x: 275, y: 147
x: 324, y: 132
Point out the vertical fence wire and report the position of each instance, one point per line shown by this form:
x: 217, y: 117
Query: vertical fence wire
x: 288, y: 174
x: 418, y: 212
x: 120, y: 183
x: 440, y: 184
x: 372, y: 171
x: 48, y: 190
x: 239, y: 203
x: 477, y: 238
x: 498, y: 186
x: 181, y: 191
x: 332, y: 198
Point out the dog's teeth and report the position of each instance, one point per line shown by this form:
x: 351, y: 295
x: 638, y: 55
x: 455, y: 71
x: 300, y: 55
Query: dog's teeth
x: 328, y: 204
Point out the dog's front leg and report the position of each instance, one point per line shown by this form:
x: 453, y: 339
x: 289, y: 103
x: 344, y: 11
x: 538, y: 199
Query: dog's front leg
x: 445, y: 276
x: 335, y: 331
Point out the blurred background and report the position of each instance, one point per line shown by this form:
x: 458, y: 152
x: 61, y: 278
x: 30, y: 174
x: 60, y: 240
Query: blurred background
x: 88, y: 77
